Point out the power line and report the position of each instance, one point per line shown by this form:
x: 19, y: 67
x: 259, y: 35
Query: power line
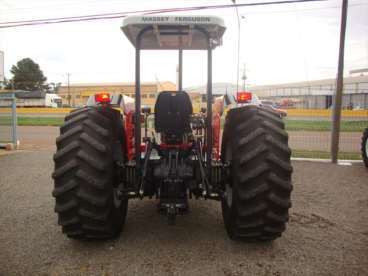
x: 302, y: 10
x: 57, y: 5
x: 105, y: 16
x: 85, y: 16
x: 77, y: 4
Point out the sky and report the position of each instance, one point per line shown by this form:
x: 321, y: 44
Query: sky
x: 278, y: 44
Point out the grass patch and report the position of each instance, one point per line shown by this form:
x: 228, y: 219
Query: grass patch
x: 325, y: 154
x: 346, y: 126
x: 291, y: 125
x: 40, y: 121
x: 5, y: 121
x: 315, y: 125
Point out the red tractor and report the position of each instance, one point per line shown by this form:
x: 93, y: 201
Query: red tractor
x: 102, y: 161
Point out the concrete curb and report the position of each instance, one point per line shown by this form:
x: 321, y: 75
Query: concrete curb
x: 340, y: 162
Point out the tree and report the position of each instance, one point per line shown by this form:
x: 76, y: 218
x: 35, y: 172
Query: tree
x: 6, y: 84
x: 27, y: 75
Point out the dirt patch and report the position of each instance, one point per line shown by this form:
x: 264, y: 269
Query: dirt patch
x: 327, y: 233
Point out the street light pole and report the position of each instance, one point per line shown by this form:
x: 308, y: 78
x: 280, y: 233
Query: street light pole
x: 244, y: 77
x: 336, y: 118
x: 238, y: 48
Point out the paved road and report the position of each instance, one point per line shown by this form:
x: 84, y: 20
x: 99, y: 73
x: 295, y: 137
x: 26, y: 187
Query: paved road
x: 327, y: 233
x: 37, y: 137
x: 34, y: 137
x: 320, y: 140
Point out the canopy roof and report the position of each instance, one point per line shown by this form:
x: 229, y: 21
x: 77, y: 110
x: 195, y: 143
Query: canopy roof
x: 174, y: 32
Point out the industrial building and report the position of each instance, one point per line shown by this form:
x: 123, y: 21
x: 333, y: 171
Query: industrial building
x: 76, y: 95
x: 218, y: 89
x: 31, y: 98
x: 317, y: 94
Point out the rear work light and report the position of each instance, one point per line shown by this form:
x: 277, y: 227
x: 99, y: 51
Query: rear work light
x: 102, y: 98
x: 243, y: 97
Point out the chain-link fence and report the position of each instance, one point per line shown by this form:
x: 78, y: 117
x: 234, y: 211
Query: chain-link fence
x: 310, y: 133
x: 309, y: 108
x: 8, y: 120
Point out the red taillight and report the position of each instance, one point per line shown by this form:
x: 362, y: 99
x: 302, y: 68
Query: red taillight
x: 243, y: 97
x: 102, y: 98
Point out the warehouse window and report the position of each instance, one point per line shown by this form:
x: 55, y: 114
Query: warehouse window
x: 363, y: 86
x: 152, y: 96
x: 349, y: 88
x: 144, y: 96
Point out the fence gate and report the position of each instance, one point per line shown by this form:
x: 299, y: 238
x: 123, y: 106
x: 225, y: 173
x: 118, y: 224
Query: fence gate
x: 8, y: 120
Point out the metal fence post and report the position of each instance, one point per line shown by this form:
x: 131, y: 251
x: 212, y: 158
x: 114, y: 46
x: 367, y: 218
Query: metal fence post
x: 14, y: 121
x: 339, y: 88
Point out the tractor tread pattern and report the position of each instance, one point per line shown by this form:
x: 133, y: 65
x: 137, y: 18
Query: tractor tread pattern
x: 84, y: 175
x: 261, y: 172
x: 364, y: 143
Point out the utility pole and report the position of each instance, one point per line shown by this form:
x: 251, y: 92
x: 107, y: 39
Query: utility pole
x: 68, y: 74
x: 244, y: 76
x: 339, y: 87
x: 238, y: 47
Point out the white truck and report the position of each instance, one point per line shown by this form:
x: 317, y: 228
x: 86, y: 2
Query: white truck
x: 52, y: 100
x: 31, y: 99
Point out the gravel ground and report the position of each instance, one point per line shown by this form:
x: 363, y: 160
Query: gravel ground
x: 327, y: 233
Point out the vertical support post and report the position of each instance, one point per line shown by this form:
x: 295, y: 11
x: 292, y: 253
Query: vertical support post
x: 238, y: 49
x: 339, y: 88
x: 209, y: 107
x: 137, y: 115
x: 14, y: 121
x: 180, y: 80
x: 68, y: 89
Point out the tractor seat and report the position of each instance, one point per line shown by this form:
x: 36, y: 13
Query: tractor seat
x: 172, y: 113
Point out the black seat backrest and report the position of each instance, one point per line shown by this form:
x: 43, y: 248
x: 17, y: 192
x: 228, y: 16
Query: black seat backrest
x: 172, y: 113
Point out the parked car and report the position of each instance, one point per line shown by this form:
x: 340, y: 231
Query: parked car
x: 272, y: 105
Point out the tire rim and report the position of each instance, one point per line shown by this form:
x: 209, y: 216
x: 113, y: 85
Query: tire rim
x: 229, y: 195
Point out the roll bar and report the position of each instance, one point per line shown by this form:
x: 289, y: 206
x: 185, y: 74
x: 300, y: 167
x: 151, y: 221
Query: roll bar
x: 203, y: 33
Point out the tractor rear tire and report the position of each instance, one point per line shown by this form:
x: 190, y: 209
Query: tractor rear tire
x: 257, y: 196
x: 86, y: 175
x: 365, y: 147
